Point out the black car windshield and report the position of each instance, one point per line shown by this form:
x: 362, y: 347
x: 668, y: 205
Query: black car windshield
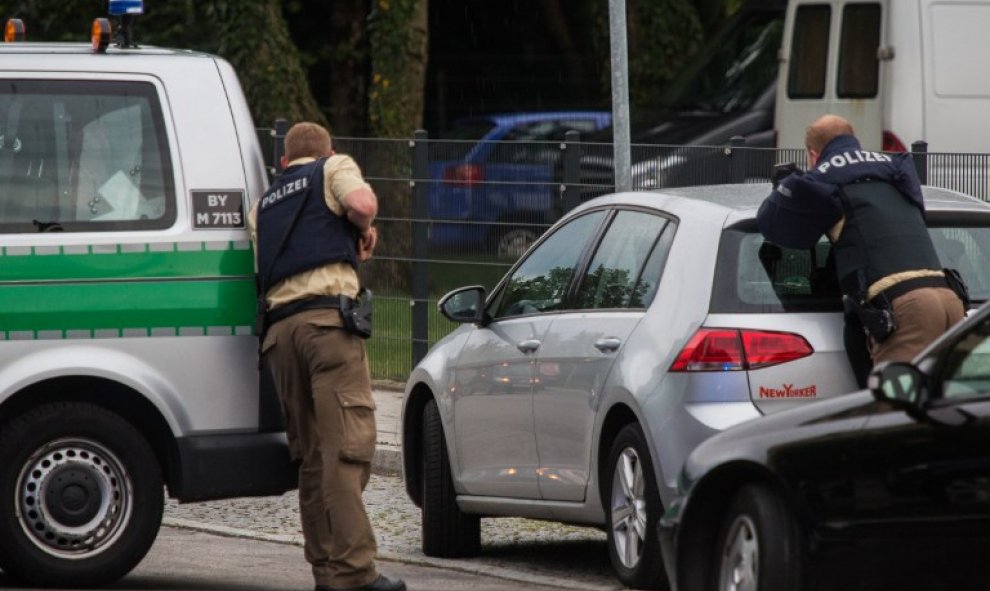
x: 733, y: 69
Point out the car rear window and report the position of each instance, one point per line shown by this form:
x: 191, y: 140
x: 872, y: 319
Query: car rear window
x: 753, y: 275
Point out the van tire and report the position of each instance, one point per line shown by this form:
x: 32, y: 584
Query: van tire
x: 88, y: 492
x: 632, y: 509
x: 447, y: 532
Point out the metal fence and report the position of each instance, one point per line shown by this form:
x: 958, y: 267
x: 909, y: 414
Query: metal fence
x: 455, y: 213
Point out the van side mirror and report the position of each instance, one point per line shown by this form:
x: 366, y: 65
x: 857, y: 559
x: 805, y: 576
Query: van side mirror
x: 464, y: 305
x: 897, y: 382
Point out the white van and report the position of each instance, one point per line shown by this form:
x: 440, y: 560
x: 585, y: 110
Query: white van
x: 900, y: 70
x: 128, y: 364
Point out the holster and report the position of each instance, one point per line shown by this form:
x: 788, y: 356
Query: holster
x: 956, y: 284
x: 878, y: 322
x: 356, y: 313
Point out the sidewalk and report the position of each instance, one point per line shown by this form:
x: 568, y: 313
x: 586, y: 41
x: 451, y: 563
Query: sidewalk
x: 388, y: 453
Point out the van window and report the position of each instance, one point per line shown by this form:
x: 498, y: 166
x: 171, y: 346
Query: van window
x: 858, y: 44
x: 809, y: 52
x: 83, y: 156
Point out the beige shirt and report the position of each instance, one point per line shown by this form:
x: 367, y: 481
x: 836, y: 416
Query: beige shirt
x: 341, y: 176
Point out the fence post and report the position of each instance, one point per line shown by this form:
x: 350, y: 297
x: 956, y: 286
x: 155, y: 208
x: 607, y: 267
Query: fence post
x: 572, y: 170
x: 421, y: 247
x: 919, y: 153
x: 737, y: 157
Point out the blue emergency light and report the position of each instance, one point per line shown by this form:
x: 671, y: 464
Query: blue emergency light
x: 122, y: 7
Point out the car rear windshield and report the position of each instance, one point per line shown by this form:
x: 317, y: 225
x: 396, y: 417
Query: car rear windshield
x: 463, y: 136
x: 753, y: 275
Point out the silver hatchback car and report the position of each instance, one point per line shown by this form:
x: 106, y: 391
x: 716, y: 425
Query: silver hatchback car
x: 637, y: 326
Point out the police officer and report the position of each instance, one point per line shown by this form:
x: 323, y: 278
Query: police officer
x: 310, y: 229
x: 870, y: 206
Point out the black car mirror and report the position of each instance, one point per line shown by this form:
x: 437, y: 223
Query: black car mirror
x: 463, y: 305
x: 897, y: 382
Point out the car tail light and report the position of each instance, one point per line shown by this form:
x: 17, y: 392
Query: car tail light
x: 722, y: 349
x: 464, y: 174
x: 892, y: 143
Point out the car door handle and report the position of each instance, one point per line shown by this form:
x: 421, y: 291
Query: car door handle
x: 528, y: 346
x: 608, y: 344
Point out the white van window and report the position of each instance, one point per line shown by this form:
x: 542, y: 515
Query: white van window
x: 809, y: 52
x: 83, y: 156
x: 858, y: 45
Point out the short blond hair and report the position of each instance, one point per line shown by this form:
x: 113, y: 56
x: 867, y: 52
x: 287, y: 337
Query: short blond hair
x: 825, y: 129
x: 307, y: 139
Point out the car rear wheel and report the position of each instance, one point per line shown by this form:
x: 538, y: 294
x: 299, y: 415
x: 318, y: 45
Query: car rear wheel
x: 85, y: 493
x: 632, y: 511
x: 447, y: 531
x: 757, y: 547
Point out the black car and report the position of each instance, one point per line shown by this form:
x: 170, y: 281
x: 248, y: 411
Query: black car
x: 887, y: 484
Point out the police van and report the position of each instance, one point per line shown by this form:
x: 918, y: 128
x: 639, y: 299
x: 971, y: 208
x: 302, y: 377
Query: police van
x: 899, y: 70
x: 128, y: 365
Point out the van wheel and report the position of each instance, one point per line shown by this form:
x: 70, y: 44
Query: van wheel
x: 447, y: 531
x: 632, y: 510
x: 86, y: 493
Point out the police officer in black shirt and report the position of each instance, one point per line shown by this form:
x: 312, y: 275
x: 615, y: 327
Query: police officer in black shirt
x: 870, y: 206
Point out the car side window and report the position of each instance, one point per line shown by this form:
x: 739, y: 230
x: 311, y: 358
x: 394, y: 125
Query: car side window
x: 966, y: 371
x: 625, y: 269
x: 540, y: 282
x: 83, y: 156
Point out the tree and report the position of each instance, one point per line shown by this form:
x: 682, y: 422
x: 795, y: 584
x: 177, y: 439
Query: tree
x: 399, y: 35
x: 662, y: 37
x: 255, y: 39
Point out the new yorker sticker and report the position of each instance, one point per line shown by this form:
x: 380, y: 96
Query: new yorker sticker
x: 218, y: 209
x: 789, y: 391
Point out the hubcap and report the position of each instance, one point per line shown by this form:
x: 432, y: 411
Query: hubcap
x: 628, y: 508
x: 74, y: 498
x: 739, y: 568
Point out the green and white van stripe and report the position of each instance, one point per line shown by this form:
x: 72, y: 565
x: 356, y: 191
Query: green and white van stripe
x: 126, y: 290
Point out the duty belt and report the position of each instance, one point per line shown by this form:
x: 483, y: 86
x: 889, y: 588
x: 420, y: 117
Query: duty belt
x: 899, y: 289
x: 294, y: 307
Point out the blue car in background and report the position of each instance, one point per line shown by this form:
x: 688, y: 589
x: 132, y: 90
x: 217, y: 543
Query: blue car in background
x: 492, y: 178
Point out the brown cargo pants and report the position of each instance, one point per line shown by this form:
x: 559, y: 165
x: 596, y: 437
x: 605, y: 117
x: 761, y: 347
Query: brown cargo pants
x: 321, y: 375
x: 920, y: 316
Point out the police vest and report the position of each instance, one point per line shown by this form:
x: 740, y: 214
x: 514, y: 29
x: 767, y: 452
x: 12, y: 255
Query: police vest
x: 884, y: 233
x: 319, y: 237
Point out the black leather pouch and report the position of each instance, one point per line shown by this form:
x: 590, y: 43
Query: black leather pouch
x: 956, y: 284
x: 356, y: 313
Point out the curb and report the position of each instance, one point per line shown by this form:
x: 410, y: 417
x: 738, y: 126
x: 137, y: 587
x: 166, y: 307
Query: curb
x: 397, y: 556
x: 387, y: 460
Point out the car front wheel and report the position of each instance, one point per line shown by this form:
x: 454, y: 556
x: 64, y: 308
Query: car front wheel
x: 447, y: 532
x: 85, y: 493
x: 632, y: 511
x: 757, y: 547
